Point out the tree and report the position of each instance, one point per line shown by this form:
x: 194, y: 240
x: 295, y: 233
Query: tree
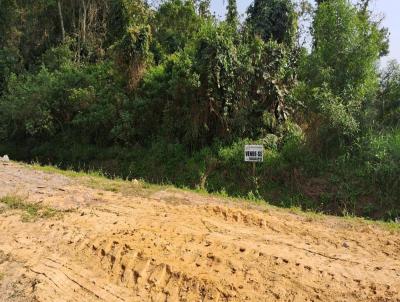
x: 388, y: 100
x: 175, y: 24
x: 203, y: 7
x: 273, y: 20
x: 232, y: 14
x: 8, y: 20
x: 60, y: 14
x: 341, y: 77
x: 132, y: 51
x: 202, y: 88
x: 79, y: 103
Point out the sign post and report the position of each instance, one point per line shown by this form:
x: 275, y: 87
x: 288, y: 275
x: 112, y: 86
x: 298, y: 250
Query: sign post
x: 254, y: 154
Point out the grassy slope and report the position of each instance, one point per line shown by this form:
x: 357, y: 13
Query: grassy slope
x: 97, y: 180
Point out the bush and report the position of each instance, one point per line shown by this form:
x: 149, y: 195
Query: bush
x: 74, y: 101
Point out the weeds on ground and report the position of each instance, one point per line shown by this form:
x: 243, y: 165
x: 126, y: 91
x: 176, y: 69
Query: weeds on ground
x: 31, y: 211
x: 390, y: 226
x: 309, y: 215
x: 68, y: 172
x: 98, y: 180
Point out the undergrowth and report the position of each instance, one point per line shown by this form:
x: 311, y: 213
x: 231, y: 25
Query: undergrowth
x: 30, y: 211
x: 98, y: 180
x: 362, y: 182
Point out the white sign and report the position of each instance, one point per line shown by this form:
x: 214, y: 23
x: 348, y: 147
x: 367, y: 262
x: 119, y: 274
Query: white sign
x: 254, y: 153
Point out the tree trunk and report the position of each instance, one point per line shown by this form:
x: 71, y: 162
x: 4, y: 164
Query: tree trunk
x: 84, y: 17
x: 61, y: 20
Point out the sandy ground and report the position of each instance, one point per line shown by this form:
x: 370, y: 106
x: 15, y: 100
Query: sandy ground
x: 180, y: 246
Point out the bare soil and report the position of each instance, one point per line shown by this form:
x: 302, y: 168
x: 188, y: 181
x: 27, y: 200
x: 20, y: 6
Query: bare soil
x: 170, y: 245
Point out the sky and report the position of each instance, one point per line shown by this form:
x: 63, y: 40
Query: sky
x: 389, y: 9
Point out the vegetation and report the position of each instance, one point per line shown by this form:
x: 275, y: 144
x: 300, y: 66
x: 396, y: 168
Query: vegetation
x: 97, y: 180
x: 31, y: 211
x: 170, y: 94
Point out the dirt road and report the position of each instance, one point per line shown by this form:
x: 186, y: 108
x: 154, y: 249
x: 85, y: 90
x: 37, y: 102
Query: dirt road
x: 170, y: 245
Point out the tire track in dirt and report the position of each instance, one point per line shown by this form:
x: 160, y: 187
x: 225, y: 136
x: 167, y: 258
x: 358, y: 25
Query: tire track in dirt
x: 133, y: 269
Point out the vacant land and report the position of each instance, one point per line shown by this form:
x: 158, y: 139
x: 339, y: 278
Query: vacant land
x: 82, y: 238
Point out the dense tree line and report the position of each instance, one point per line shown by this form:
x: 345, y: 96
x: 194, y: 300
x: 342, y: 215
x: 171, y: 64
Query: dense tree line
x: 105, y: 83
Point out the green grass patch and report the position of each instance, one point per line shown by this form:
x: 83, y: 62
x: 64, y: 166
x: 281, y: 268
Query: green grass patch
x: 390, y: 226
x: 98, y: 180
x: 309, y: 215
x: 67, y: 172
x: 30, y: 211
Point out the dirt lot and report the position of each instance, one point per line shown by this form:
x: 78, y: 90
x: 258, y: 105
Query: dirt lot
x: 106, y: 243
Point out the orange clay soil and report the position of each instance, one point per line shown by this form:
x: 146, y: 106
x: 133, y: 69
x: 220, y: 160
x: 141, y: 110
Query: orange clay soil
x: 171, y: 245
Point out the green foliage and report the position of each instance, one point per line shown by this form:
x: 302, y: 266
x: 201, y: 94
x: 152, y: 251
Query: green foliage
x: 172, y: 95
x: 57, y: 57
x: 232, y: 14
x: 381, y: 154
x: 73, y: 101
x: 388, y: 101
x: 273, y: 20
x: 198, y: 84
x: 132, y: 51
x: 346, y: 47
x: 10, y: 62
x: 8, y: 18
x: 266, y: 82
x: 31, y: 211
x: 175, y: 24
x: 340, y: 74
